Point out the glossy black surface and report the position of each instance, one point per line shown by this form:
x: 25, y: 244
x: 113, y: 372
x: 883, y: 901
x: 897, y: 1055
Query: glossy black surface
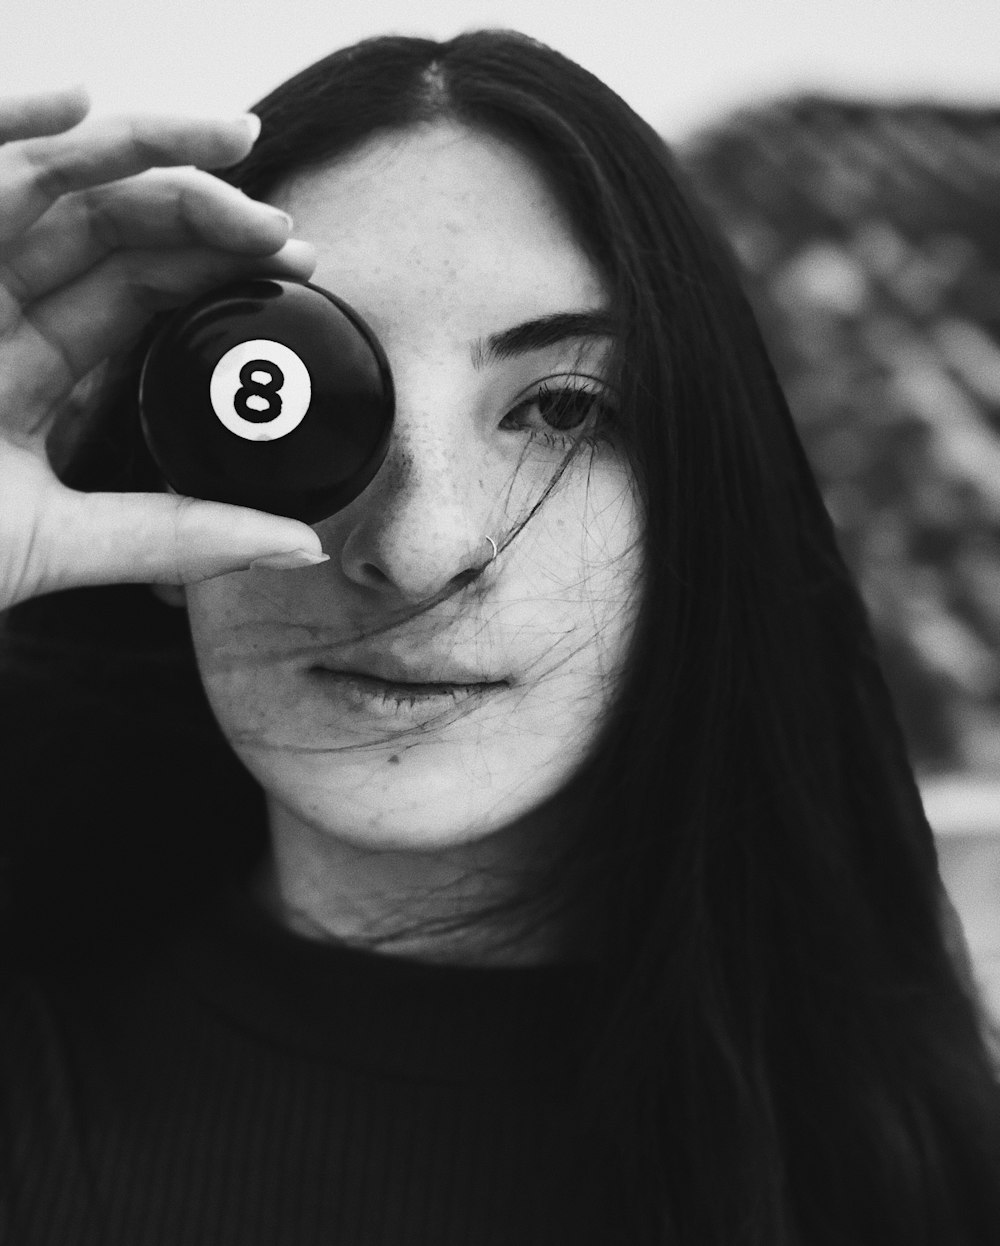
x: 320, y: 466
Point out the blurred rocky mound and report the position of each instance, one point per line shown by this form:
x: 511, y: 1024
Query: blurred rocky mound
x: 869, y: 235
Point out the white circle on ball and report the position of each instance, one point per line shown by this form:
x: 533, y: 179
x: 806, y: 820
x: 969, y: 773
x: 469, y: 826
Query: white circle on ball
x: 258, y: 389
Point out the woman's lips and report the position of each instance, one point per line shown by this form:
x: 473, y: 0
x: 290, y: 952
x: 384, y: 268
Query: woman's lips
x: 416, y: 669
x: 417, y: 687
x: 362, y: 690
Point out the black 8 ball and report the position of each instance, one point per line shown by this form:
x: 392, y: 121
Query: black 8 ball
x: 268, y: 393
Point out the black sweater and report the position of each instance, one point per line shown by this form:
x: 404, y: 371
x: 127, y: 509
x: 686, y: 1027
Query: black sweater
x: 243, y: 1086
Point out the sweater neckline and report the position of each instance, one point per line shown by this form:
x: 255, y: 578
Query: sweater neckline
x: 386, y: 1014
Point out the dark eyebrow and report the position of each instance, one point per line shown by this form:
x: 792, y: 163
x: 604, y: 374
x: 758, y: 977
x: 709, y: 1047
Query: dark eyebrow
x: 537, y: 334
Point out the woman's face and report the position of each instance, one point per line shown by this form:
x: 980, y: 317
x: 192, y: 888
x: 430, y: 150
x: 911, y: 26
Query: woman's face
x: 361, y: 716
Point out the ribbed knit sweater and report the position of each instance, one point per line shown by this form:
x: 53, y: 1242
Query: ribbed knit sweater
x: 245, y: 1086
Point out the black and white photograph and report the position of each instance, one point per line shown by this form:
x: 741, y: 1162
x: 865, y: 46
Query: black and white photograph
x: 500, y: 623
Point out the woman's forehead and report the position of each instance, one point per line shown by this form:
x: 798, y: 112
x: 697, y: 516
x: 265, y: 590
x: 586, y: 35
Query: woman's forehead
x: 441, y: 211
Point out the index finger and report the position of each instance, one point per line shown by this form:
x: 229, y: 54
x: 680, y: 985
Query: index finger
x: 35, y: 172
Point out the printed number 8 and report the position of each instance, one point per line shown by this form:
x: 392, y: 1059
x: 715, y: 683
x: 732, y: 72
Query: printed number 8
x: 260, y: 390
x: 267, y: 391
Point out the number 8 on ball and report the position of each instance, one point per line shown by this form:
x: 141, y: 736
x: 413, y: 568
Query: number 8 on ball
x: 260, y: 390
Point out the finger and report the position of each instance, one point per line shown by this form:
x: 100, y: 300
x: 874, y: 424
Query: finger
x: 61, y: 338
x: 159, y: 538
x: 158, y: 209
x: 37, y: 172
x: 31, y: 116
x: 161, y: 208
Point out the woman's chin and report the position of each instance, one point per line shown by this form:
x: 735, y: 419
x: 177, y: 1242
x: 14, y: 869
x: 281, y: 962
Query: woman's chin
x: 401, y: 804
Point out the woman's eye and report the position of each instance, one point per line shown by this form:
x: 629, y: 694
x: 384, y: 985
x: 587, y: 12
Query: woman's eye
x: 563, y: 409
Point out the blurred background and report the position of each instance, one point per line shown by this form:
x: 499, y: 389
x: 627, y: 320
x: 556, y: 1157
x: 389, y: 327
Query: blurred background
x: 850, y: 150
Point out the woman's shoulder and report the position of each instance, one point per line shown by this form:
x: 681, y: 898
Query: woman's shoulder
x: 47, y: 1000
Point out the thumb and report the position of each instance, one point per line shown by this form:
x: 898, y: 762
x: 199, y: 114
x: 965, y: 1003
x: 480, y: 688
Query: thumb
x: 159, y: 538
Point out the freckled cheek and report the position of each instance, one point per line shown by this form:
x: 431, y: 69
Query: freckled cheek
x: 263, y: 709
x: 217, y: 608
x: 588, y: 538
x: 249, y: 685
x: 577, y: 603
x: 233, y: 618
x: 613, y: 568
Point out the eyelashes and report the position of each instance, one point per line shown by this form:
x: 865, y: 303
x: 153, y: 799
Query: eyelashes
x: 564, y: 414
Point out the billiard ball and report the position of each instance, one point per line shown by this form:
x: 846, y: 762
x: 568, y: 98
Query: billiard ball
x: 267, y: 393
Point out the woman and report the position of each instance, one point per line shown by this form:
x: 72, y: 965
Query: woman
x: 559, y: 875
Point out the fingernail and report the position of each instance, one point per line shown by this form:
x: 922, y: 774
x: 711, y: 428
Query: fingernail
x: 289, y: 560
x: 277, y: 212
x: 253, y: 124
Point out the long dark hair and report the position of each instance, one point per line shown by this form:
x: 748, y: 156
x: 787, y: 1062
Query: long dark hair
x: 782, y: 1047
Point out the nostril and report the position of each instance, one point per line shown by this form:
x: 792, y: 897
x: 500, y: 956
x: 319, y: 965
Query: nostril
x: 373, y: 574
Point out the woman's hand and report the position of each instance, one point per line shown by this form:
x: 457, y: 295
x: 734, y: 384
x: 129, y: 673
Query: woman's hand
x: 102, y: 224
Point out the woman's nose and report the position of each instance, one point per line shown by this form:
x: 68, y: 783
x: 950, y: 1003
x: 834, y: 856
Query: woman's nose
x: 421, y: 526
